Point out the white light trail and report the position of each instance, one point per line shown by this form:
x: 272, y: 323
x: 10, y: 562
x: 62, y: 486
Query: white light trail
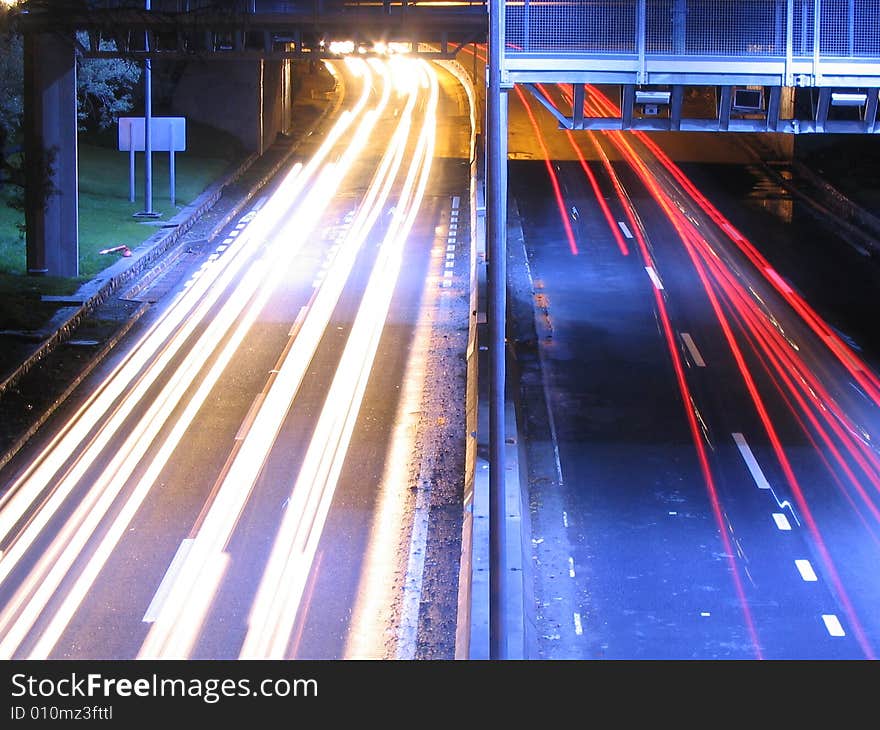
x: 275, y: 608
x: 20, y: 613
x: 166, y: 639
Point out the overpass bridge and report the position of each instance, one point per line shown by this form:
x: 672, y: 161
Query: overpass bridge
x: 783, y: 66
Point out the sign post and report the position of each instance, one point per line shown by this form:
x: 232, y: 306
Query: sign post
x: 167, y: 134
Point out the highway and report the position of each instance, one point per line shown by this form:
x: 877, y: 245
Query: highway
x: 239, y: 480
x: 698, y: 423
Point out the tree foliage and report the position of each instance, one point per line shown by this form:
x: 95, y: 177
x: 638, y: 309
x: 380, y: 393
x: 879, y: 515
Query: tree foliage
x: 104, y: 87
x: 11, y: 84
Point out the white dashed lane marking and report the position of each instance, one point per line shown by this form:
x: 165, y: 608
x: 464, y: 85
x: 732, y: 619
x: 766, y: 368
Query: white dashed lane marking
x: 654, y: 278
x: 692, y: 348
x: 806, y: 570
x: 832, y: 623
x: 781, y: 521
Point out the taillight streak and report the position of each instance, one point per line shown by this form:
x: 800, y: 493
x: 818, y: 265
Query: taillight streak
x: 554, y: 179
x: 775, y: 441
x: 868, y: 380
x: 693, y: 242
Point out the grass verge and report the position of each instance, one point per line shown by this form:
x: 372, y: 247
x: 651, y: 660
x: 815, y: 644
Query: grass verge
x: 106, y: 214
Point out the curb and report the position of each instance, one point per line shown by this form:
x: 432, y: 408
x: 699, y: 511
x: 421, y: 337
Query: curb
x: 473, y: 628
x: 92, y: 363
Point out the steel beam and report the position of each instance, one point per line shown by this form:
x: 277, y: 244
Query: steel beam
x: 496, y: 316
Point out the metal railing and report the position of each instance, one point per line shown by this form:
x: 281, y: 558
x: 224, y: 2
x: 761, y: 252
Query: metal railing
x: 710, y: 28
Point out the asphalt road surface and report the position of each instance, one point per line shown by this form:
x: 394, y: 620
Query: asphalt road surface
x: 696, y: 369
x: 239, y: 480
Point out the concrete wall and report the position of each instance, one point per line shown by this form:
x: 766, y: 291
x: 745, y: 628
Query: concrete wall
x: 243, y: 98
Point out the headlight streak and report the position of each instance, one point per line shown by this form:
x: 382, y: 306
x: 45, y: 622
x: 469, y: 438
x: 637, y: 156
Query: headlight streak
x: 238, y: 314
x: 194, y: 304
x: 167, y: 637
x: 275, y: 608
x: 188, y: 308
x: 34, y: 593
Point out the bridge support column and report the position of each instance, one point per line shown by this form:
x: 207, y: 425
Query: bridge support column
x: 50, y: 129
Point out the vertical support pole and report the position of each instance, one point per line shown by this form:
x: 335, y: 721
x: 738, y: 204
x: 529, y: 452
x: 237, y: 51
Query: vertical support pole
x: 817, y: 39
x: 822, y: 109
x: 262, y: 123
x: 148, y: 130
x: 679, y: 20
x: 789, y: 42
x: 871, y: 110
x: 131, y: 186
x: 773, y: 109
x: 724, y: 109
x: 496, y: 279
x: 171, y: 172
x: 148, y: 211
x: 805, y: 17
x: 627, y: 105
x: 527, y: 41
x: 677, y: 102
x: 851, y: 28
x: 50, y: 144
x: 641, y: 22
x: 778, y: 26
x: 577, y: 107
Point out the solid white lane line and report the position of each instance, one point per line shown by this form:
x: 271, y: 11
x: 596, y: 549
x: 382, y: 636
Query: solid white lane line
x: 751, y: 462
x: 250, y: 417
x: 626, y: 231
x: 297, y: 323
x: 832, y: 623
x: 806, y: 570
x: 656, y: 279
x: 167, y: 581
x: 692, y: 347
x: 781, y: 521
